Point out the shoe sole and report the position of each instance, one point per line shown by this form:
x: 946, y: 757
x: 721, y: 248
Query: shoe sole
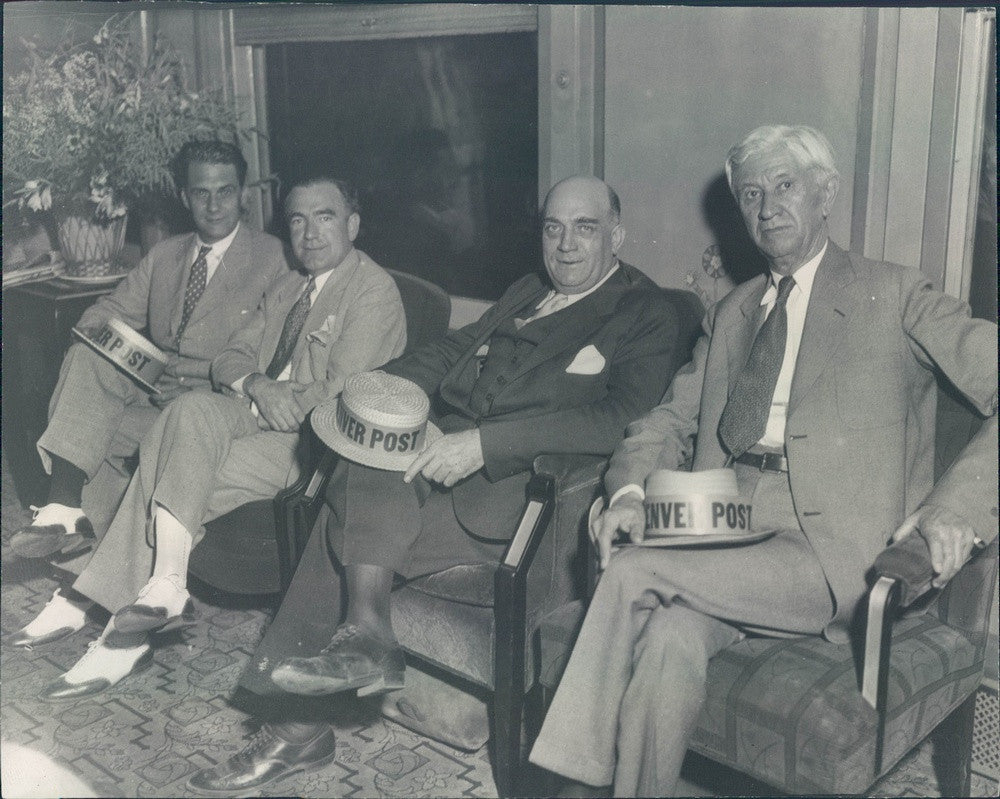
x: 287, y: 775
x: 319, y: 686
x: 43, y: 546
x: 136, y: 623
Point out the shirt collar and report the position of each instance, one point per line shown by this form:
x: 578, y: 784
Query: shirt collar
x: 804, y: 277
x: 220, y: 247
x: 577, y: 297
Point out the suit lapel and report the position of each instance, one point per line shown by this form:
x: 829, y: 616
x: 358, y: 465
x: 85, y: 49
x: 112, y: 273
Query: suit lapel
x: 832, y: 302
x: 576, y: 322
x: 742, y: 331
x: 228, y: 274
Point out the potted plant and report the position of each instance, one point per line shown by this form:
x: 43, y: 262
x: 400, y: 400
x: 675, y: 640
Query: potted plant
x: 89, y: 131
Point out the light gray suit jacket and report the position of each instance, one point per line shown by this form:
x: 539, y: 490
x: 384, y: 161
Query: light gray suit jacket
x: 859, y: 435
x: 355, y: 324
x: 152, y: 297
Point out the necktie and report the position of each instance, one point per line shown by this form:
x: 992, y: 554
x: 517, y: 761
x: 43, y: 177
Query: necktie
x: 744, y: 418
x: 195, y: 286
x: 552, y: 303
x: 290, y: 332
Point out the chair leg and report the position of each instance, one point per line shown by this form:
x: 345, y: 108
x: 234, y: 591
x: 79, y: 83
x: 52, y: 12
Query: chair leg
x: 952, y: 756
x: 508, y: 710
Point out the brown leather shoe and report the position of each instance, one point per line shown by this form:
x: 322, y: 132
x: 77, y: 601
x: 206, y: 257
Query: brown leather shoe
x: 352, y: 659
x: 267, y: 758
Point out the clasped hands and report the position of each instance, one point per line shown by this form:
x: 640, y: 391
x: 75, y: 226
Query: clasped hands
x: 277, y: 402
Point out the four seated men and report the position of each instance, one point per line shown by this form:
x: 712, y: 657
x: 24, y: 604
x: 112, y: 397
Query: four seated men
x: 814, y: 383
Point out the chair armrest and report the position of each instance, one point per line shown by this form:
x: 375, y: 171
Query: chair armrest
x: 908, y: 562
x: 570, y: 471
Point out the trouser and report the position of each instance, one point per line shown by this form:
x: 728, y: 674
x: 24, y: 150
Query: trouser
x: 202, y: 458
x: 97, y: 416
x: 371, y: 517
x: 634, y: 685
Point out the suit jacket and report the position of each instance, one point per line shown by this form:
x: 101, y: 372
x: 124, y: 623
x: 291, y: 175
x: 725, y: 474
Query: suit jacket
x: 535, y: 402
x: 859, y: 434
x: 356, y: 323
x: 151, y: 297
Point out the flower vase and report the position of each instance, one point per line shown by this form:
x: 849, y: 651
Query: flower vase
x: 91, y: 248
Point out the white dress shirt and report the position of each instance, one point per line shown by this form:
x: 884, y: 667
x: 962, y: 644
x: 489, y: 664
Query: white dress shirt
x: 214, y: 257
x: 570, y: 298
x: 795, y: 308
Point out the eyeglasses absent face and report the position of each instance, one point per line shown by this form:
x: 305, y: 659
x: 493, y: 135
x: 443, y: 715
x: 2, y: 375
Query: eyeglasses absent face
x: 213, y: 196
x: 322, y: 226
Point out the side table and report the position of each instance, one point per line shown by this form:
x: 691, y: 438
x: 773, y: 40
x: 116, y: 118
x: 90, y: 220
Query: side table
x: 37, y: 319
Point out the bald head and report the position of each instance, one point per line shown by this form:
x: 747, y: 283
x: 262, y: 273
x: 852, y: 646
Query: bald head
x: 581, y: 233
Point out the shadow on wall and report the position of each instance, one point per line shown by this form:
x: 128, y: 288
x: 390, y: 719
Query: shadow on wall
x: 741, y: 259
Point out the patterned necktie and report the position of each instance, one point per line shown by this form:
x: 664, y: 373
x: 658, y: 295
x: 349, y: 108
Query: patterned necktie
x: 552, y: 303
x: 744, y: 418
x: 195, y: 286
x: 290, y: 332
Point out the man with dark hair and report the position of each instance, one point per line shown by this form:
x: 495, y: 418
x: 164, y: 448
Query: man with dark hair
x: 209, y: 453
x: 815, y: 382
x: 189, y: 294
x: 555, y: 366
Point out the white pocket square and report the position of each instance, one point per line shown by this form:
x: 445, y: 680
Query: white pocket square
x: 324, y: 334
x: 588, y: 361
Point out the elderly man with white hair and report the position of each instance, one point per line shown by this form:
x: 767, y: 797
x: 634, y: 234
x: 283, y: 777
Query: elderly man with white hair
x: 816, y: 384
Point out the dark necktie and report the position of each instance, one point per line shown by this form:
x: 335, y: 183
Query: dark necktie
x: 195, y: 286
x: 744, y: 418
x: 290, y: 332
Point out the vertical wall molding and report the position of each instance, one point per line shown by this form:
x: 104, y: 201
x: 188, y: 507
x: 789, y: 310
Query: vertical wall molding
x: 919, y: 149
x: 570, y: 93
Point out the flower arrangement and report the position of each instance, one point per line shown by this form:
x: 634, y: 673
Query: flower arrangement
x: 90, y: 129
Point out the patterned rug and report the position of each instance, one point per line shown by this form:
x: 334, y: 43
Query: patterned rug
x: 145, y: 736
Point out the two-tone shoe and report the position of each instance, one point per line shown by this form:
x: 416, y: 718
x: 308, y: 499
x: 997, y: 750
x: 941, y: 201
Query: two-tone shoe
x: 352, y: 659
x: 162, y: 605
x: 101, y: 666
x: 265, y: 760
x: 60, y: 617
x: 54, y: 528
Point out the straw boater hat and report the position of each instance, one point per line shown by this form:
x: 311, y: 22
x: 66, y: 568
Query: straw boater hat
x: 379, y: 420
x: 136, y: 356
x: 695, y: 509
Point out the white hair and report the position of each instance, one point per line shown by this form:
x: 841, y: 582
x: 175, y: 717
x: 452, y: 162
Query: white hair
x: 806, y: 145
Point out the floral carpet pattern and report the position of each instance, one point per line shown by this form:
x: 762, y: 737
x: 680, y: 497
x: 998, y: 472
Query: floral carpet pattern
x: 145, y: 736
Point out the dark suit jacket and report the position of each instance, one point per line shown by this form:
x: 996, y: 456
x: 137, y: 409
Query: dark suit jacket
x: 859, y: 434
x: 541, y: 403
x: 152, y: 297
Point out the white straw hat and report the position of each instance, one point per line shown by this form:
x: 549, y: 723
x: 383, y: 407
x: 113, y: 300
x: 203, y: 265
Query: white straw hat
x: 698, y: 507
x: 379, y: 420
x: 133, y: 354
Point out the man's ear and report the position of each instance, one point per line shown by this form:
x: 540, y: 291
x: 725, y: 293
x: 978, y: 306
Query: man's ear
x: 185, y: 200
x: 353, y: 226
x: 830, y: 188
x: 617, y: 238
x: 244, y: 200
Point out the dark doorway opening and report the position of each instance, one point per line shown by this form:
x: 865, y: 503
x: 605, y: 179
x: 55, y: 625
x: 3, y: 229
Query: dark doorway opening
x: 439, y: 134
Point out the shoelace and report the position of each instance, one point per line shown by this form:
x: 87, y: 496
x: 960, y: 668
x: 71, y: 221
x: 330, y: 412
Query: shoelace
x: 343, y: 634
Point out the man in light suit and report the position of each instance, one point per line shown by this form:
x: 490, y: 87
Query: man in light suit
x: 559, y: 367
x: 189, y: 294
x: 211, y: 452
x: 816, y: 382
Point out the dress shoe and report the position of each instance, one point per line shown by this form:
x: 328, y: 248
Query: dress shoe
x: 352, y: 659
x: 267, y: 758
x: 101, y: 666
x: 49, y: 531
x: 60, y: 617
x: 162, y: 604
